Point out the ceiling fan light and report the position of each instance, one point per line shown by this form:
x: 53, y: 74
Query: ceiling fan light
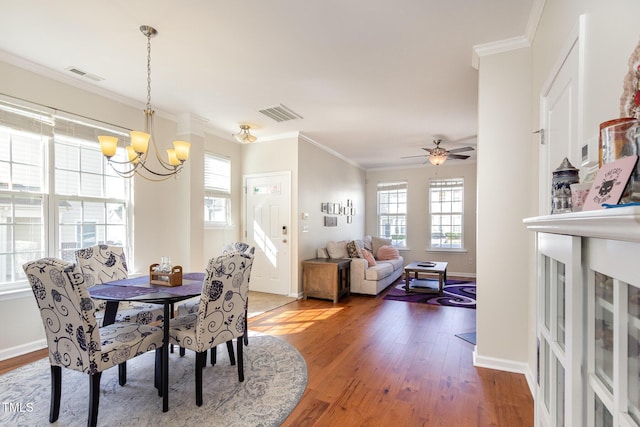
x: 437, y: 159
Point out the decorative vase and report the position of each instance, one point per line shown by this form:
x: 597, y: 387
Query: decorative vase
x: 563, y: 177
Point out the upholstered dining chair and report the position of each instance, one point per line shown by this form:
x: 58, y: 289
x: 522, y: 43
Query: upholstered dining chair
x: 191, y: 306
x: 73, y: 337
x: 105, y: 263
x: 221, y: 313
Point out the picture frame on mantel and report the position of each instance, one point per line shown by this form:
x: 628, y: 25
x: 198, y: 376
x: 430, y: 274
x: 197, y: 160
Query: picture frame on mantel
x: 610, y: 183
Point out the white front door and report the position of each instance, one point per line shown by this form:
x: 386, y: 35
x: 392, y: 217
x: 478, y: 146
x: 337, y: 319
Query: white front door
x: 267, y: 223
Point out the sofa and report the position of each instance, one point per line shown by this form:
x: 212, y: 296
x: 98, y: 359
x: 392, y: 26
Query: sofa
x: 369, y: 277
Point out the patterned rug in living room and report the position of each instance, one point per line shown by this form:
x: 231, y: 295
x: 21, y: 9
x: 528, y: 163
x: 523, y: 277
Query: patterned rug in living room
x: 456, y: 293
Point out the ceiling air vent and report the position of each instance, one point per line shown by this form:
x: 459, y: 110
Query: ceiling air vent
x: 84, y: 74
x: 280, y: 113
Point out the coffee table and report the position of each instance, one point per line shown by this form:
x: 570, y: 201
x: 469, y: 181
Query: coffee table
x: 425, y: 267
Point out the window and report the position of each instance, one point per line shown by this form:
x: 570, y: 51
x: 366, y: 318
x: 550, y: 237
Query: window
x: 52, y: 211
x: 217, y: 190
x: 392, y: 212
x: 446, y: 197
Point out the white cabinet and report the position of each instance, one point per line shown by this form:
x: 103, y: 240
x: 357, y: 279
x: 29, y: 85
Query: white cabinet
x: 588, y: 318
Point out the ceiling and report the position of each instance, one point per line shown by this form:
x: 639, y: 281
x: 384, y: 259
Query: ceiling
x: 374, y: 80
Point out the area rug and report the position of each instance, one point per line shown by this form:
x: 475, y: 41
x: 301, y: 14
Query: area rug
x: 275, y: 379
x: 469, y: 337
x: 455, y: 293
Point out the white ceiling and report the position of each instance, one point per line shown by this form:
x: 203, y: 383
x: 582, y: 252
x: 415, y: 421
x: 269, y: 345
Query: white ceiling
x: 374, y: 80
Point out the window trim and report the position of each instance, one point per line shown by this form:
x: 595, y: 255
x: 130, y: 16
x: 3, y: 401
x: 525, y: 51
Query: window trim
x: 14, y: 108
x: 218, y: 193
x: 430, y: 246
x: 390, y: 186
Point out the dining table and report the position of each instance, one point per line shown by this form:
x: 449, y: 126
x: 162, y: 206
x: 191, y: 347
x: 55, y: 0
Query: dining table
x: 140, y: 289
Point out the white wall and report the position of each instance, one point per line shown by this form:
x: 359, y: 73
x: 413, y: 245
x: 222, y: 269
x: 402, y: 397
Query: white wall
x: 460, y: 263
x: 504, y: 168
x: 323, y: 177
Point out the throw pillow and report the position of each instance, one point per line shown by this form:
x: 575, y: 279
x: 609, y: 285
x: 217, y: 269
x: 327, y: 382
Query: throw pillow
x: 386, y: 252
x: 366, y: 243
x: 376, y: 242
x: 337, y: 249
x: 353, y: 250
x: 367, y: 255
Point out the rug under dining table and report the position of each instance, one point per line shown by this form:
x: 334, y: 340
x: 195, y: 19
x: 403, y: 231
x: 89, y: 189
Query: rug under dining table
x: 275, y: 379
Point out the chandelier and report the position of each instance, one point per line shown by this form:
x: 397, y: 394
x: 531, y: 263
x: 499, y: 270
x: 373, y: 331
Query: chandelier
x: 244, y: 135
x: 137, y: 153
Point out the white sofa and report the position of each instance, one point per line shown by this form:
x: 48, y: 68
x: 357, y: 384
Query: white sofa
x: 366, y: 279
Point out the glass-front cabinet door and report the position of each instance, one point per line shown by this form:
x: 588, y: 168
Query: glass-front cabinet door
x: 560, y: 298
x: 613, y: 343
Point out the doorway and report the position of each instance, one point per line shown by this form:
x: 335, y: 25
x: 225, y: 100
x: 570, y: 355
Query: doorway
x: 268, y: 228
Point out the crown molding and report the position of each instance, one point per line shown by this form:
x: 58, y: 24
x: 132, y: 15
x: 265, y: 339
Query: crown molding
x: 305, y: 138
x: 519, y: 42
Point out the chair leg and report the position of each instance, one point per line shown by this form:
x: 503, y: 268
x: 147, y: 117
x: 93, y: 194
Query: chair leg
x: 157, y: 380
x: 214, y: 355
x: 56, y: 384
x: 246, y: 327
x: 181, y: 351
x: 240, y: 359
x: 201, y: 358
x: 122, y: 373
x: 94, y: 398
x: 232, y: 357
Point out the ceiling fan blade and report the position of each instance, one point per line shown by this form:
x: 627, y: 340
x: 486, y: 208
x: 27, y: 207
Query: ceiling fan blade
x: 460, y: 150
x: 411, y: 157
x: 457, y: 156
x: 427, y: 149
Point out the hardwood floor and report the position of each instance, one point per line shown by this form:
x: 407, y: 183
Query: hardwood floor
x: 373, y: 362
x: 382, y: 363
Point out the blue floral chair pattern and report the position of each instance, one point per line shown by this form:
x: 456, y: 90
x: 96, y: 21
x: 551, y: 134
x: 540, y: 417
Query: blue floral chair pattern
x: 221, y: 313
x: 105, y: 263
x: 191, y: 306
x: 73, y: 337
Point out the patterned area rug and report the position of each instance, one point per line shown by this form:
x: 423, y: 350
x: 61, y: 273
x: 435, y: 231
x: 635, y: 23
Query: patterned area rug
x: 275, y: 379
x: 456, y: 293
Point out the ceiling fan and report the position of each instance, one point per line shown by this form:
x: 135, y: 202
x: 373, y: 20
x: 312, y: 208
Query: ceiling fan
x: 438, y: 155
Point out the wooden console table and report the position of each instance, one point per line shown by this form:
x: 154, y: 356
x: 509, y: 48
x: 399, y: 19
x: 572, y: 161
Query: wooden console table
x: 326, y: 278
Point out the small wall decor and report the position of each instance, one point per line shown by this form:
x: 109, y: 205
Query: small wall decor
x: 330, y: 221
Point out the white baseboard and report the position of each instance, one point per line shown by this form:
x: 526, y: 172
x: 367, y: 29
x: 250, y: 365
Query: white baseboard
x: 19, y: 350
x: 506, y: 365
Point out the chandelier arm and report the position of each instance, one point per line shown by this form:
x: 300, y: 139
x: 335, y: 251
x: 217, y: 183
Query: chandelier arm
x: 124, y: 174
x: 164, y: 164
